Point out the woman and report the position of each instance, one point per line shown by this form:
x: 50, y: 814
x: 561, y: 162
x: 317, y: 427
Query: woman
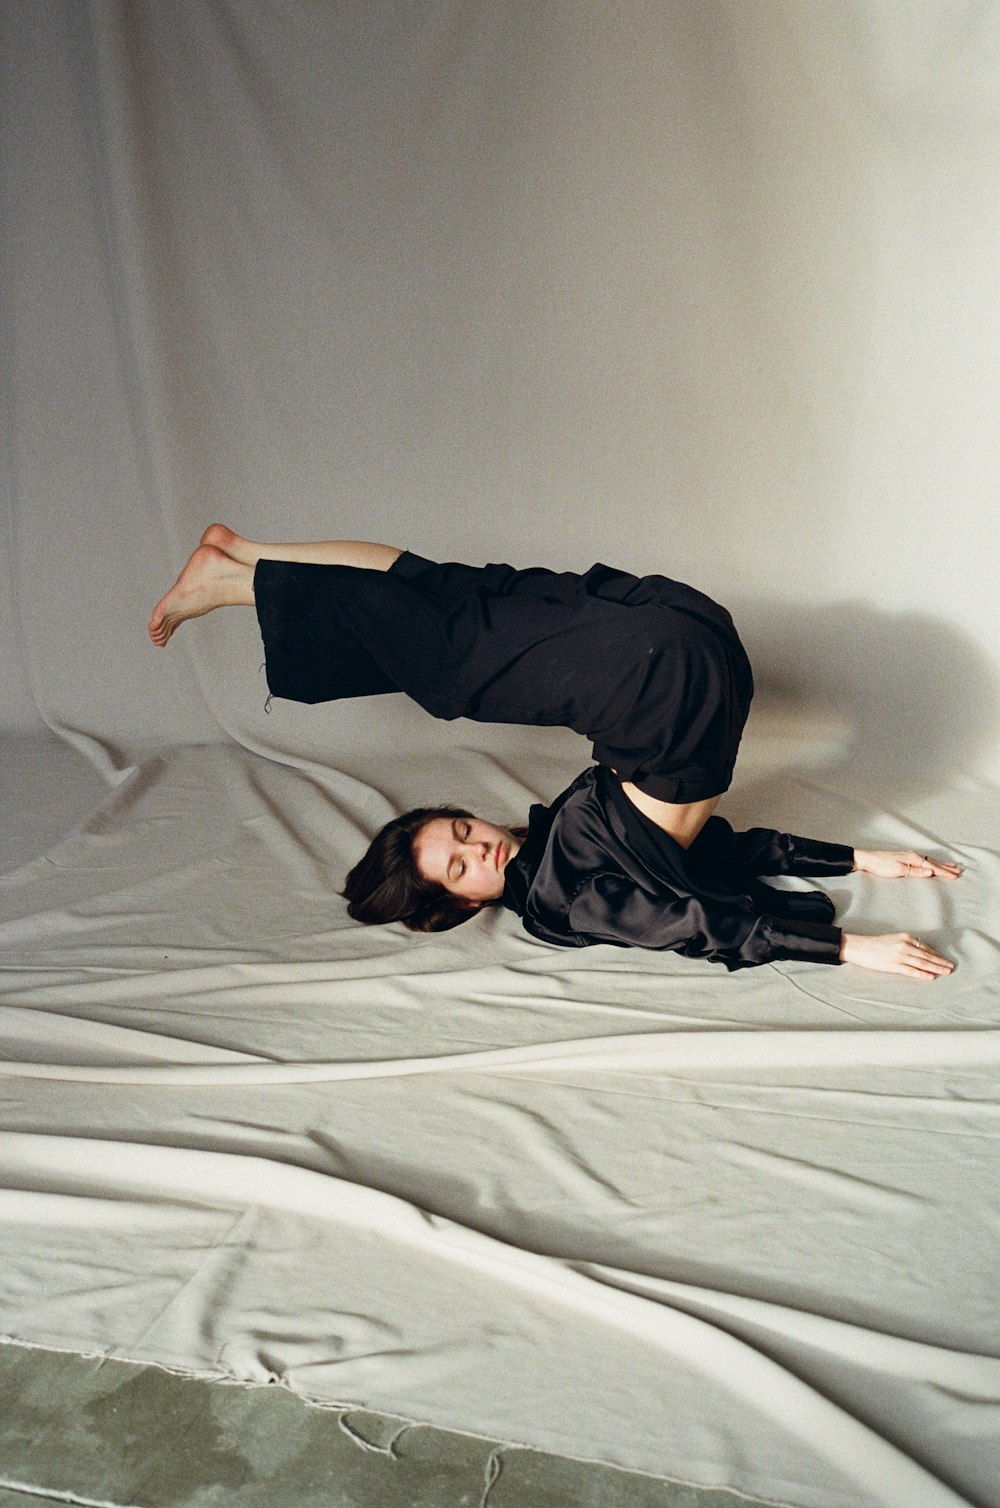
x: 648, y: 668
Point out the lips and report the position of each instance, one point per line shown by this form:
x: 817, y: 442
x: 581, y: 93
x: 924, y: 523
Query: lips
x: 499, y: 855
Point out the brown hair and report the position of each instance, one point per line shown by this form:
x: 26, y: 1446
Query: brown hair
x: 387, y: 886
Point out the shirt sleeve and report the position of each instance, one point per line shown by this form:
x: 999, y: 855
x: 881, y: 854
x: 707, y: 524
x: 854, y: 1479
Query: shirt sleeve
x: 610, y: 909
x: 762, y: 850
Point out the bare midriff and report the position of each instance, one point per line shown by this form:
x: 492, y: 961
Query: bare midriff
x: 683, y: 820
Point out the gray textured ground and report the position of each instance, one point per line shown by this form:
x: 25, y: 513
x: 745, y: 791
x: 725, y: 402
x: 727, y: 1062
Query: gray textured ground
x: 81, y: 1431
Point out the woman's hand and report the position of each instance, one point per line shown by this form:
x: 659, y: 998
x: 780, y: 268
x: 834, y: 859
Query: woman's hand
x: 903, y: 866
x: 895, y: 953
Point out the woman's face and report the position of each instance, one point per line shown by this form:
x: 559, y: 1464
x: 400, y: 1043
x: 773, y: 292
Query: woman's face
x: 465, y: 855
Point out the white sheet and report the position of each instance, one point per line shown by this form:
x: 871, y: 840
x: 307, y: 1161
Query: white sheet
x: 737, y: 1229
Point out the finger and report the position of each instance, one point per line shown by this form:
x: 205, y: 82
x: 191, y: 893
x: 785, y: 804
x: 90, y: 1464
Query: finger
x: 912, y: 971
x: 919, y: 866
x: 913, y: 968
x: 913, y: 865
x: 938, y: 967
x: 929, y: 961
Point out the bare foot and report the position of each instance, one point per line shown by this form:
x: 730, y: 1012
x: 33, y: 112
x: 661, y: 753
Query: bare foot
x: 210, y: 579
x: 246, y: 551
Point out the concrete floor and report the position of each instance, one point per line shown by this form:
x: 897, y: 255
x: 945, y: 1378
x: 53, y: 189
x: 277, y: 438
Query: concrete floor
x: 82, y: 1431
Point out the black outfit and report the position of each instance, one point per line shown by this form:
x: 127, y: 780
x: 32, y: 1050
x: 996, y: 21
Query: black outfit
x: 651, y: 670
x: 594, y: 869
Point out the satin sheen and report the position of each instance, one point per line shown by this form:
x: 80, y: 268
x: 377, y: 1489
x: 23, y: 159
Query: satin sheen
x: 650, y: 669
x: 593, y: 869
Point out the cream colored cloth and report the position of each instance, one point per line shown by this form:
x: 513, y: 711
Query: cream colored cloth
x: 735, y: 1229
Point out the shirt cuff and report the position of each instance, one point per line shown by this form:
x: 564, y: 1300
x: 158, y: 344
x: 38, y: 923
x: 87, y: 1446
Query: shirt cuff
x: 810, y: 942
x: 811, y: 857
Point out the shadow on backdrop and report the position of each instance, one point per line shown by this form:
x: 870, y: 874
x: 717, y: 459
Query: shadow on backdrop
x: 918, y: 702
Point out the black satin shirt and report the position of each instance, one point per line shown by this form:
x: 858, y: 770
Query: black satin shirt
x: 593, y: 869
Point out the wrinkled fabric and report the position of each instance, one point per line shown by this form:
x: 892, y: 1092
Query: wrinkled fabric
x: 617, y: 1203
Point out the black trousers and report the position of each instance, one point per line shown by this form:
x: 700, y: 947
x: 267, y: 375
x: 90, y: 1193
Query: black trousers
x: 649, y: 669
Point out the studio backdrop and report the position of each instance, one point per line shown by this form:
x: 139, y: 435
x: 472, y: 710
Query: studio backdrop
x: 699, y: 287
x: 702, y: 288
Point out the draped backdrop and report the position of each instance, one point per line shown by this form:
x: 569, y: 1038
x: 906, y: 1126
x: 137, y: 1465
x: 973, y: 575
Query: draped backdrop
x: 702, y: 287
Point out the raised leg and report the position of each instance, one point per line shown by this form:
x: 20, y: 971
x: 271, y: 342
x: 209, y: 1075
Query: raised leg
x: 348, y: 552
x: 210, y: 579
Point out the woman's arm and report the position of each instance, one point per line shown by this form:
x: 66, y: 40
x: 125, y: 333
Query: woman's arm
x: 608, y: 908
x: 895, y: 953
x: 764, y: 851
x: 611, y: 909
x: 908, y: 865
x: 898, y: 952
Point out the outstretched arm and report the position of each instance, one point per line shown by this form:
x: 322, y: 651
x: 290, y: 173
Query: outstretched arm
x: 898, y: 952
x: 895, y: 953
x: 908, y: 865
x: 610, y: 908
x: 762, y: 851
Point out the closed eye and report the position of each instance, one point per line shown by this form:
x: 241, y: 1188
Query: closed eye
x: 461, y: 830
